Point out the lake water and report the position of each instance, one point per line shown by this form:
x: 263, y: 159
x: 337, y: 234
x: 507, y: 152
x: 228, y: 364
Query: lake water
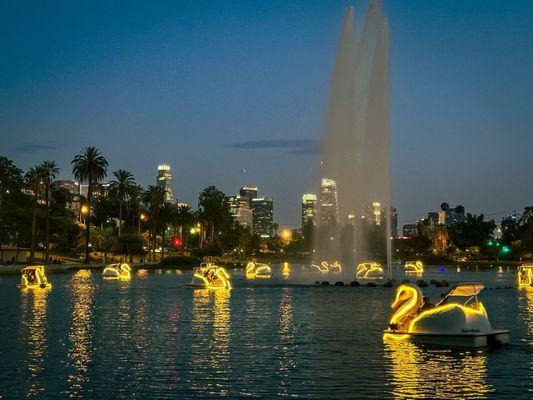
x: 153, y: 337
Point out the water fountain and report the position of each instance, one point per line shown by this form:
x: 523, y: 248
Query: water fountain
x: 355, y: 148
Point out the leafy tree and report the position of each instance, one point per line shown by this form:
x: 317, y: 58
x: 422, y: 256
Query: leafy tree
x: 11, y: 179
x: 91, y: 167
x: 129, y: 244
x: 444, y: 206
x: 473, y: 231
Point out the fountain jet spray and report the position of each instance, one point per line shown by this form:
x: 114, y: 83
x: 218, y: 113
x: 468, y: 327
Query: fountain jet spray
x: 355, y: 146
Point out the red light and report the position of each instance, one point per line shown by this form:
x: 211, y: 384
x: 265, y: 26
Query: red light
x: 176, y: 241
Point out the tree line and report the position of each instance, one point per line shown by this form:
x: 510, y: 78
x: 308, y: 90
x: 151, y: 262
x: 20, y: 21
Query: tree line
x: 124, y: 219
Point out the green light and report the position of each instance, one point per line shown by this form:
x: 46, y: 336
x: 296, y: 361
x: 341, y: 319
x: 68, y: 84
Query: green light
x: 489, y: 243
x: 506, y: 249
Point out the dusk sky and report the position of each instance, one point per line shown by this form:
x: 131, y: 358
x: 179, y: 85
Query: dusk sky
x: 234, y: 93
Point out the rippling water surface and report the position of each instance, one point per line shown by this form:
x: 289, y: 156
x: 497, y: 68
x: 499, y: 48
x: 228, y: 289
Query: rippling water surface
x: 154, y: 337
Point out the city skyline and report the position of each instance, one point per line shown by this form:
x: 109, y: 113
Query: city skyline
x: 445, y: 112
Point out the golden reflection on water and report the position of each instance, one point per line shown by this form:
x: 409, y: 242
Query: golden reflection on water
x: 287, y: 359
x: 80, y: 331
x: 285, y: 270
x: 33, y: 333
x: 211, y: 326
x: 423, y: 372
x: 525, y: 309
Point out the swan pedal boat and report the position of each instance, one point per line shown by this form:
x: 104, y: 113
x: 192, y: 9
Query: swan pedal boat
x: 414, y: 267
x: 450, y: 323
x: 371, y: 270
x: 209, y: 276
x: 525, y: 275
x: 33, y: 277
x: 116, y: 271
x: 258, y: 270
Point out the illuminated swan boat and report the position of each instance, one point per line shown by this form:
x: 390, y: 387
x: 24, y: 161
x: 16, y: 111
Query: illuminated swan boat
x: 414, y: 267
x: 323, y: 267
x: 458, y: 320
x: 33, y: 277
x: 369, y: 270
x: 335, y: 266
x: 210, y: 276
x: 258, y: 270
x: 117, y: 271
x: 525, y: 275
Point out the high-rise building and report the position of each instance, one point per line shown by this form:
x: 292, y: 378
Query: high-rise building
x: 410, y: 230
x: 73, y: 188
x: 248, y: 193
x: 240, y: 210
x: 164, y: 180
x: 263, y: 216
x: 327, y: 202
x: 373, y: 212
x: 433, y: 218
x: 393, y: 222
x: 309, y: 209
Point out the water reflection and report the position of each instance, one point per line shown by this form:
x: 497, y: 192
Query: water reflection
x: 286, y: 334
x: 525, y: 309
x: 80, y: 332
x: 423, y: 372
x: 33, y: 333
x: 211, y: 327
x: 285, y: 270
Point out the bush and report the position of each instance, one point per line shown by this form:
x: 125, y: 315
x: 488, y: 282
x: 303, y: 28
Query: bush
x: 180, y: 261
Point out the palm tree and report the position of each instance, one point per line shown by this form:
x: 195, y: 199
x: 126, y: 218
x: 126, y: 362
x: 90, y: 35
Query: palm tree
x: 184, y: 219
x: 91, y: 167
x: 120, y: 187
x: 134, y: 205
x: 213, y: 209
x: 49, y: 171
x: 167, y: 216
x: 34, y: 181
x: 154, y: 197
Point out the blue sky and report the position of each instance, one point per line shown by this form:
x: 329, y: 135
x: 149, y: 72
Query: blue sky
x: 234, y: 93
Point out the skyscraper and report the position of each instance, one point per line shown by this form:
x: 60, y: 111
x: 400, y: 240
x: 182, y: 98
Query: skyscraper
x: 164, y: 180
x: 240, y: 210
x: 309, y: 209
x: 373, y: 212
x: 248, y: 193
x: 393, y: 222
x: 263, y: 218
x: 327, y: 202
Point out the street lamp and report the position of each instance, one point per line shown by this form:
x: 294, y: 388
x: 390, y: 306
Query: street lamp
x: 142, y: 217
x: 84, y: 211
